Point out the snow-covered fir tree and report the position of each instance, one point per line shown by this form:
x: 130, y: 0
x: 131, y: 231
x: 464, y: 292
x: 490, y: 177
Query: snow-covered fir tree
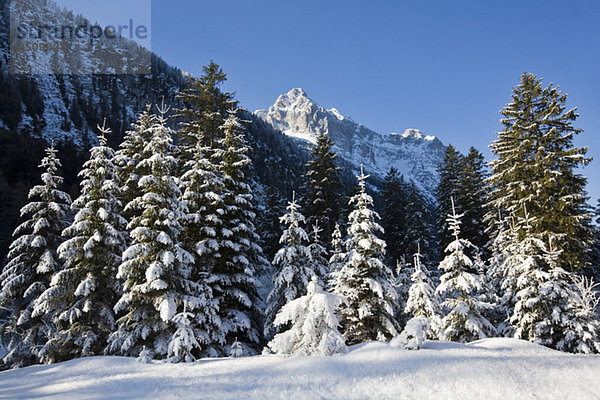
x: 314, y: 325
x: 269, y: 210
x: 402, y: 284
x: 131, y: 151
x: 393, y: 221
x: 448, y: 187
x: 461, y: 289
x: 184, y: 344
x: 155, y: 270
x: 413, y: 335
x: 548, y: 308
x: 237, y: 350
x: 423, y: 301
x: 205, y: 108
x: 418, y: 228
x: 32, y: 260
x: 239, y: 258
x: 541, y: 298
x: 472, y: 192
x: 82, y: 294
x: 462, y: 178
x: 318, y: 255
x: 145, y: 356
x: 364, y: 280
x: 218, y: 222
x: 337, y: 250
x: 593, y: 270
x: 323, y: 187
x: 583, y: 335
x: 201, y: 217
x: 537, y: 164
x: 294, y: 267
x: 500, y: 278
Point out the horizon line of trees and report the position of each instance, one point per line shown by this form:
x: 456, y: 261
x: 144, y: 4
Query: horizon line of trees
x: 160, y: 255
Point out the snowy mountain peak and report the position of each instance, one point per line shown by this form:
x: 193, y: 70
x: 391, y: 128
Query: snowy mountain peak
x: 294, y: 99
x: 296, y: 93
x: 415, y: 154
x: 336, y: 113
x: 415, y: 134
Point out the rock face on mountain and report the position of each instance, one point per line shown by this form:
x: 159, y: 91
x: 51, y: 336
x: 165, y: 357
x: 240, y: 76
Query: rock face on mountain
x: 413, y: 153
x: 55, y: 104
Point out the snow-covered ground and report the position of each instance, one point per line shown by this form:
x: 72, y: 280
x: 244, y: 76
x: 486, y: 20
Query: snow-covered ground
x: 487, y: 369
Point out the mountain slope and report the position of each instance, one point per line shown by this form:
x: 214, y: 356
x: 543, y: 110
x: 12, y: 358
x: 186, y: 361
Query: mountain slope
x: 68, y: 106
x: 413, y: 153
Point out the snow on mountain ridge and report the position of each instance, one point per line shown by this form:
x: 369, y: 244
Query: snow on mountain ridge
x: 414, y: 133
x: 415, y: 154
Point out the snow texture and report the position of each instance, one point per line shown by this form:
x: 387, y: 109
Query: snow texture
x: 487, y: 369
x: 314, y: 324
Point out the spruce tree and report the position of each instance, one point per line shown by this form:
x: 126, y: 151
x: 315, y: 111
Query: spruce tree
x: 418, y: 232
x: 240, y: 260
x: 201, y: 218
x: 448, y: 187
x: 461, y: 291
x: 583, y: 335
x: 394, y: 215
x: 593, y: 271
x: 131, y: 151
x: 205, y: 108
x: 541, y: 294
x: 401, y: 283
x: 205, y: 227
x: 422, y: 300
x: 32, y: 260
x: 337, y: 250
x: 549, y: 308
x: 364, y: 280
x: 536, y: 164
x: 318, y: 254
x: 472, y: 198
x: 314, y: 325
x: 323, y: 187
x: 159, y: 299
x: 82, y: 294
x: 293, y: 263
x: 270, y: 209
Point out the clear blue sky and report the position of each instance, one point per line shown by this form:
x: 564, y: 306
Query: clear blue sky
x: 445, y: 67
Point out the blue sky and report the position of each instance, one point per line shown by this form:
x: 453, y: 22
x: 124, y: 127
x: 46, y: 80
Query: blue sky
x: 445, y: 67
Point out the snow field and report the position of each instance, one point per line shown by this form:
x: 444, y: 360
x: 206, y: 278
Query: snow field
x: 487, y: 369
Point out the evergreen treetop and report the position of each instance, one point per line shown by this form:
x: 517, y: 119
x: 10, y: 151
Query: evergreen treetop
x: 131, y: 151
x: 364, y: 280
x: 293, y: 263
x: 472, y: 197
x: 394, y: 216
x: 537, y: 165
x: 422, y: 300
x: 239, y: 258
x: 81, y: 295
x: 323, y: 187
x: 461, y: 291
x: 448, y: 187
x: 205, y: 109
x: 32, y: 260
x: 161, y: 304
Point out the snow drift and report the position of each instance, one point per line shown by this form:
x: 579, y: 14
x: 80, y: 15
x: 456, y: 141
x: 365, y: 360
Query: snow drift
x: 486, y: 369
